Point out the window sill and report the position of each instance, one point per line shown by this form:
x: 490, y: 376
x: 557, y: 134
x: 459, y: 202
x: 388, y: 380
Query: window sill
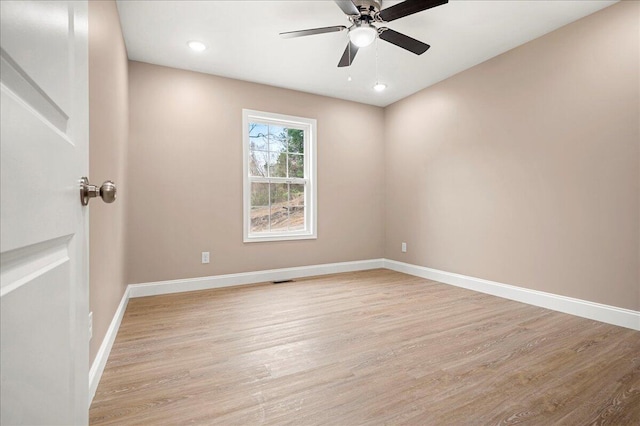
x: 279, y: 237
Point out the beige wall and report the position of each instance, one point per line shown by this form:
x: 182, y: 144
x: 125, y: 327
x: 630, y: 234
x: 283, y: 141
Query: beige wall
x: 525, y: 169
x: 108, y: 133
x: 185, y: 176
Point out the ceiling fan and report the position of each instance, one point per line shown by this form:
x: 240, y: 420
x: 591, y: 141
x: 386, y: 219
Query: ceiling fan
x: 363, y: 14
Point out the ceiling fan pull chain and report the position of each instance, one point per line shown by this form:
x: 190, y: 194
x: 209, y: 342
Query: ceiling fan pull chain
x: 376, y: 60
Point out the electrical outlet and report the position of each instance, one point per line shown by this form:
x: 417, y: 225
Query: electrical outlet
x: 404, y: 247
x: 90, y: 325
x: 205, y: 257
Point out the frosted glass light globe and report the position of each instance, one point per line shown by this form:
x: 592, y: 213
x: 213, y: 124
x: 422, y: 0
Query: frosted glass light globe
x: 362, y: 35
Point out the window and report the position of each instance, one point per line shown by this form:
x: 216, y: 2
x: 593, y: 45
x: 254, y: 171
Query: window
x: 279, y: 177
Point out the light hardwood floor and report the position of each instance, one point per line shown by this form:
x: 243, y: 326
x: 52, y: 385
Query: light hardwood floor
x: 374, y: 347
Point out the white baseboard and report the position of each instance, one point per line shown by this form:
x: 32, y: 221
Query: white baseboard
x: 582, y: 308
x: 97, y: 368
x: 218, y: 281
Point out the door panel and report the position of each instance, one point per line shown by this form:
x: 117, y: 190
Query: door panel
x: 30, y: 377
x: 47, y: 182
x: 49, y: 45
x: 43, y: 242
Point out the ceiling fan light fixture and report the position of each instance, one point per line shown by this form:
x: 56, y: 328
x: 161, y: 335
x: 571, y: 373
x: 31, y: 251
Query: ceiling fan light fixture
x: 362, y: 35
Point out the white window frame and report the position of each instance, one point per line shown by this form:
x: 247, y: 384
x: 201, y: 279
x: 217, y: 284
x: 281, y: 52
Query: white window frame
x: 308, y: 125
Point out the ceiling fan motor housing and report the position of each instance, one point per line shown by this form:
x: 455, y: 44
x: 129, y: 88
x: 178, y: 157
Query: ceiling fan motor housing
x: 368, y: 8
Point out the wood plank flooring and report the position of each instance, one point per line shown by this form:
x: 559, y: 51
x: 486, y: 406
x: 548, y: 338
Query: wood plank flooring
x: 373, y: 347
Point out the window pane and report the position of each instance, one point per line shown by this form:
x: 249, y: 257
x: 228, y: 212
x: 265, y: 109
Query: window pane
x: 296, y: 208
x: 258, y: 163
x: 280, y: 194
x: 260, y: 219
x: 258, y: 134
x: 296, y: 219
x: 296, y: 165
x: 260, y: 194
x: 297, y: 194
x: 279, y: 218
x: 277, y: 139
x: 279, y: 207
x: 277, y: 164
x: 295, y: 140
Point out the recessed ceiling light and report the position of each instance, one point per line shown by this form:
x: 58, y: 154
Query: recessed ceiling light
x: 197, y: 46
x: 379, y: 87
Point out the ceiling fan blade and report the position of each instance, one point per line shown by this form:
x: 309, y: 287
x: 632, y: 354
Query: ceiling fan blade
x: 348, y: 55
x: 404, y: 41
x: 348, y: 7
x: 313, y: 31
x: 408, y: 7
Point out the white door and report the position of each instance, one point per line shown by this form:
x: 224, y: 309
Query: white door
x: 43, y: 244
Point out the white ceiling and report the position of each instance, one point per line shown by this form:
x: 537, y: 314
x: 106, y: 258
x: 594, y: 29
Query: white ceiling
x: 243, y: 41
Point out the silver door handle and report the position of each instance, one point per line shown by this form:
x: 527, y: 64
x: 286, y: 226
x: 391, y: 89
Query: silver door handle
x: 87, y: 191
